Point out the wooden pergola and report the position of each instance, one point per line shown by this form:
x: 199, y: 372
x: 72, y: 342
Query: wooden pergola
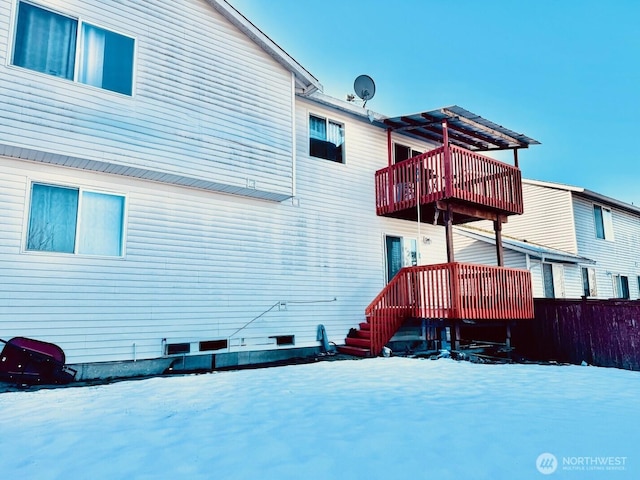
x: 454, y: 183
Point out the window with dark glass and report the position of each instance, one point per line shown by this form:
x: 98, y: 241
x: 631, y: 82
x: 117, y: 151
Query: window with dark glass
x: 326, y: 139
x: 603, y: 222
x: 589, y: 282
x: 547, y: 277
x: 403, y: 152
x: 47, y: 42
x: 621, y: 286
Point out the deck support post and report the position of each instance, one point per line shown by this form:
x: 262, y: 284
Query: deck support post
x: 497, y: 227
x: 455, y: 336
x: 448, y: 232
x: 448, y: 174
x: 390, y: 180
x: 508, y: 340
x: 389, y: 148
x: 515, y: 158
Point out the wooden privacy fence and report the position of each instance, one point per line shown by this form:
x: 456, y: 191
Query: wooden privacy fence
x: 454, y: 290
x: 605, y: 333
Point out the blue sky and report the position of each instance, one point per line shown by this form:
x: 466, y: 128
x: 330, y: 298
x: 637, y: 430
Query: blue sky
x: 565, y: 72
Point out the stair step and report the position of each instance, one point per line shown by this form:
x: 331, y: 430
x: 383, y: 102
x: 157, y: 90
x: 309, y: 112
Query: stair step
x: 358, y: 342
x: 355, y: 351
x: 363, y: 334
x: 365, y: 326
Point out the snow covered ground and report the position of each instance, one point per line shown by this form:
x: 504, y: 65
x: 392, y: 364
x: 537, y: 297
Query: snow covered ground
x: 383, y: 418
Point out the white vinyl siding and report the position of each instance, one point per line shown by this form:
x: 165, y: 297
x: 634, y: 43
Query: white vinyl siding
x: 566, y: 277
x: 200, y: 266
x: 565, y: 219
x: 619, y: 257
x: 211, y: 108
x: 547, y: 219
x: 469, y: 250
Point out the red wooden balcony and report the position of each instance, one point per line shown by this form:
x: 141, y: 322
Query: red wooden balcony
x: 454, y: 291
x: 475, y: 185
x: 464, y: 186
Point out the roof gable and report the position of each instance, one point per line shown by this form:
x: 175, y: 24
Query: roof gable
x: 305, y: 82
x: 587, y: 194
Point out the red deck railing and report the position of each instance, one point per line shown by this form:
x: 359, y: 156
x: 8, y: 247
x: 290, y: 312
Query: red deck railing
x: 459, y: 291
x: 449, y: 172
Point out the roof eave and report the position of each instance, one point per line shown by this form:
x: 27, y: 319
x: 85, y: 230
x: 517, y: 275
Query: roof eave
x: 306, y: 83
x: 586, y: 194
x: 536, y: 251
x: 466, y: 129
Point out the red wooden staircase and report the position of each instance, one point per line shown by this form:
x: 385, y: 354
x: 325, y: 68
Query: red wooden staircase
x: 358, y: 343
x: 451, y: 291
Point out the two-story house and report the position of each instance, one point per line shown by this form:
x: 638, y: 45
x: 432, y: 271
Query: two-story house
x: 176, y: 191
x: 598, y: 237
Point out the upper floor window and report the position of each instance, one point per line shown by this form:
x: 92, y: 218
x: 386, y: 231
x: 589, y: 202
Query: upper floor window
x: 604, y: 222
x: 63, y: 46
x: 326, y: 139
x: 72, y: 220
x: 402, y: 153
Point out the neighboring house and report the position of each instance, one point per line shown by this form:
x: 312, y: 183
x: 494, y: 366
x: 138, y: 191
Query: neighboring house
x: 192, y: 199
x: 554, y: 273
x: 601, y: 232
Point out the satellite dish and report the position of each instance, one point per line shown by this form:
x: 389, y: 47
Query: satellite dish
x: 365, y: 88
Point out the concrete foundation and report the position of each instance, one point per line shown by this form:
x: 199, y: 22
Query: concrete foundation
x: 239, y: 359
x: 188, y: 363
x: 128, y: 369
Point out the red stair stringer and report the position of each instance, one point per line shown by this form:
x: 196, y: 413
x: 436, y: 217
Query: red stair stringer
x: 385, y: 315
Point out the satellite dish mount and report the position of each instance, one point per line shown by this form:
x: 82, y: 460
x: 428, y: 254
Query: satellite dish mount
x: 365, y: 88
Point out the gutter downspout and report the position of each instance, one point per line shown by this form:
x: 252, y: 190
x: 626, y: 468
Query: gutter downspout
x: 293, y: 137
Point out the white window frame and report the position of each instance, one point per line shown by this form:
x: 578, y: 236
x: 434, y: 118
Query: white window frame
x: 607, y: 222
x: 327, y: 122
x: 557, y: 280
x: 617, y: 286
x: 80, y: 190
x: 590, y: 280
x: 78, y: 48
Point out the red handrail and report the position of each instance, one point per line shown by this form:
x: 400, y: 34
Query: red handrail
x: 486, y: 181
x: 449, y: 172
x: 396, y: 186
x: 449, y: 290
